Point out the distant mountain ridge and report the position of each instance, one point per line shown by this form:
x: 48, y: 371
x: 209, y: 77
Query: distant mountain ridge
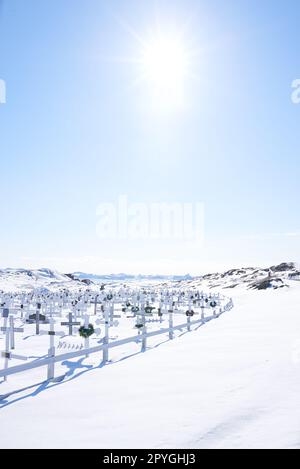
x: 277, y: 276
x: 124, y: 276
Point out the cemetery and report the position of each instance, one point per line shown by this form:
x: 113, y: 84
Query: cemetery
x: 41, y: 331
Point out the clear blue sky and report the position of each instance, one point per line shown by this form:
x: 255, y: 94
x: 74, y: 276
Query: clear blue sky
x: 76, y: 131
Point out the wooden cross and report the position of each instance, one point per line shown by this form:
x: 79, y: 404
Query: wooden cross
x: 5, y: 314
x: 144, y: 334
x: 188, y: 313
x: 51, y: 351
x: 169, y: 308
x: 106, y: 336
x: 70, y: 323
x: 7, y: 355
x: 37, y: 318
x: 51, y: 333
x: 95, y: 303
x: 11, y: 330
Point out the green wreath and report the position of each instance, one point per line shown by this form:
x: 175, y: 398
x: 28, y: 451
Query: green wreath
x: 135, y: 309
x: 86, y: 332
x: 190, y: 313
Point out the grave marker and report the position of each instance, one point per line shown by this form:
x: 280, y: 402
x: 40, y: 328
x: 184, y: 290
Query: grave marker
x: 11, y: 330
x: 70, y: 324
x: 51, y: 351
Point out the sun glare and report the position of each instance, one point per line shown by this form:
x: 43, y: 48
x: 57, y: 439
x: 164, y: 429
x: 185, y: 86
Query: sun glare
x: 164, y: 65
x: 164, y: 61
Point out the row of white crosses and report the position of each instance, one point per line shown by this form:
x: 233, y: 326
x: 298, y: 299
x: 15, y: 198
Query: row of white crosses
x: 32, y: 307
x: 52, y: 306
x: 79, y: 307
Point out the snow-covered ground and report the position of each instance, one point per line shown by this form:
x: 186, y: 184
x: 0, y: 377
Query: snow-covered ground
x: 232, y: 383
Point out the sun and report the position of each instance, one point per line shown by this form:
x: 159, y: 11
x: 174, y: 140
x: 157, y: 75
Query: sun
x: 164, y: 61
x: 164, y: 68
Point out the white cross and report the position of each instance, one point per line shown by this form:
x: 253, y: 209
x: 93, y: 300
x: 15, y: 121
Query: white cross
x: 7, y: 355
x: 10, y: 329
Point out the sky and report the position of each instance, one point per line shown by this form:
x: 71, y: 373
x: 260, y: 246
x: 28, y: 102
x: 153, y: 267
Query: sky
x: 152, y: 102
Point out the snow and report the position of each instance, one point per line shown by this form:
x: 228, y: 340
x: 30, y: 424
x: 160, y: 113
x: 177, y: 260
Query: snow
x: 25, y: 280
x: 232, y: 383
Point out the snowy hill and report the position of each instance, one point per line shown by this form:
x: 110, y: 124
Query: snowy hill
x: 255, y: 278
x: 42, y: 279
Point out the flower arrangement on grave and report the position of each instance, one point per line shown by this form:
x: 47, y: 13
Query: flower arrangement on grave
x: 135, y: 309
x: 213, y: 304
x: 86, y: 332
x: 109, y: 297
x: 128, y: 304
x: 159, y: 312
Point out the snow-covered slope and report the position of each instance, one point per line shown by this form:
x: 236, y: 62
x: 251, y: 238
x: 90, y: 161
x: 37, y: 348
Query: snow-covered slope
x: 255, y: 278
x: 26, y: 280
x: 233, y: 383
